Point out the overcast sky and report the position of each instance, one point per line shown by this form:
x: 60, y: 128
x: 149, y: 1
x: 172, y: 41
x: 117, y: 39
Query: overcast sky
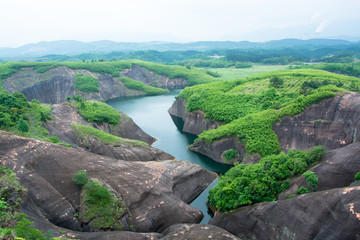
x: 30, y: 21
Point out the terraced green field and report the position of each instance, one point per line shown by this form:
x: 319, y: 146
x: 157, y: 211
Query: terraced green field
x: 236, y: 73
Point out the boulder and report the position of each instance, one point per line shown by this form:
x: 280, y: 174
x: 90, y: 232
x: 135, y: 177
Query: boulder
x: 156, y: 193
x: 331, y: 214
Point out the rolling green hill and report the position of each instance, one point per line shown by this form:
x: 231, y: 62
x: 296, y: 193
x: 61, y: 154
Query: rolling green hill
x: 249, y: 107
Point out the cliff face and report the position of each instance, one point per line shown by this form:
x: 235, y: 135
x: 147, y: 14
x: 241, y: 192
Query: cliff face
x: 332, y: 123
x: 64, y: 115
x: 152, y: 78
x: 331, y: 213
x: 155, y: 193
x: 193, y: 123
x: 54, y: 85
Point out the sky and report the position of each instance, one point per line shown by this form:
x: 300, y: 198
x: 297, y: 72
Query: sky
x: 31, y: 21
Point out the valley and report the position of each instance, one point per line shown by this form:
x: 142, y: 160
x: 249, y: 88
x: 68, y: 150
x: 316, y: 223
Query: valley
x: 289, y: 137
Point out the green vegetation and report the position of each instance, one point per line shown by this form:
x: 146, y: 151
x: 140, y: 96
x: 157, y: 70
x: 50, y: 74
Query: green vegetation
x: 249, y: 107
x: 96, y: 111
x: 84, y: 132
x: 13, y: 223
x: 21, y: 117
x: 138, y: 85
x: 230, y: 154
x: 99, y: 206
x: 236, y: 73
x: 311, y: 180
x: 81, y: 177
x: 351, y: 69
x: 193, y: 75
x: 302, y: 190
x: 357, y: 176
x: 247, y: 184
x: 86, y: 83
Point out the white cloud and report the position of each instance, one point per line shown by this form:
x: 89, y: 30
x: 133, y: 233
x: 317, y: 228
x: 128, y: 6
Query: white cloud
x: 322, y: 26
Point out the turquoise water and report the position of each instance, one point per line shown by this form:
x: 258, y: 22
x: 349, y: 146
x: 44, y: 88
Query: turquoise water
x: 150, y: 113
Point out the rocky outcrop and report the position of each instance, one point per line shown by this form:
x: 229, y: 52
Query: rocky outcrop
x: 332, y: 123
x: 194, y: 123
x: 54, y: 85
x: 156, y: 193
x: 336, y: 170
x: 64, y: 116
x: 196, y: 231
x: 333, y: 214
x: 152, y: 78
x: 215, y: 150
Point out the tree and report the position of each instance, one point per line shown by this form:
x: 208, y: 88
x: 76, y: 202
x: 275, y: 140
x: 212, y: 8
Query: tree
x: 81, y: 177
x: 311, y: 179
x: 68, y: 99
x: 22, y: 125
x: 276, y: 82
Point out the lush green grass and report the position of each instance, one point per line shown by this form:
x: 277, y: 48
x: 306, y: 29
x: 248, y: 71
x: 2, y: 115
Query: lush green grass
x: 249, y: 107
x: 84, y: 132
x: 351, y: 69
x: 236, y: 73
x: 97, y: 112
x: 86, y: 83
x: 100, y: 206
x: 15, y: 109
x: 138, y: 85
x: 247, y: 184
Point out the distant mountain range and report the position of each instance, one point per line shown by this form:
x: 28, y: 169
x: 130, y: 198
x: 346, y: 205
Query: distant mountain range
x: 72, y: 47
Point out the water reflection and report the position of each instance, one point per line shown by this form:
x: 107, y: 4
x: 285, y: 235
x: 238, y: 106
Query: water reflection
x: 150, y: 113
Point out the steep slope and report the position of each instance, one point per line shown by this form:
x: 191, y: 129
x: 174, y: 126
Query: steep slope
x: 155, y: 193
x: 67, y: 124
x: 330, y: 213
x: 52, y: 82
x: 256, y: 119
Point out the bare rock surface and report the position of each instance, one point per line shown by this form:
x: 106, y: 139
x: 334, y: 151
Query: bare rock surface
x: 337, y: 169
x: 332, y: 214
x: 194, y: 123
x: 152, y: 78
x: 54, y: 85
x: 156, y: 193
x: 196, y: 231
x: 332, y: 123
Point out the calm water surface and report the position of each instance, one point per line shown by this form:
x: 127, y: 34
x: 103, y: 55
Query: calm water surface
x: 150, y: 113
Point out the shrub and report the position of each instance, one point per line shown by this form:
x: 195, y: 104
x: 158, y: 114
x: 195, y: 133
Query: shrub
x: 357, y: 176
x: 230, y: 155
x: 97, y: 112
x: 302, y: 190
x: 81, y: 177
x: 86, y: 83
x: 25, y: 229
x: 276, y: 82
x: 246, y: 184
x: 311, y: 179
x: 22, y: 125
x: 54, y: 139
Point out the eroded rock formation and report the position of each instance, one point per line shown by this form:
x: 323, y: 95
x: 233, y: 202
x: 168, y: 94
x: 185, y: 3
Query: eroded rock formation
x: 64, y: 116
x: 54, y: 85
x: 156, y: 193
x: 332, y: 123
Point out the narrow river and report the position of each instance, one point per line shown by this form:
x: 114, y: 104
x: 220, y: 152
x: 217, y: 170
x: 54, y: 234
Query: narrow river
x: 150, y: 113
